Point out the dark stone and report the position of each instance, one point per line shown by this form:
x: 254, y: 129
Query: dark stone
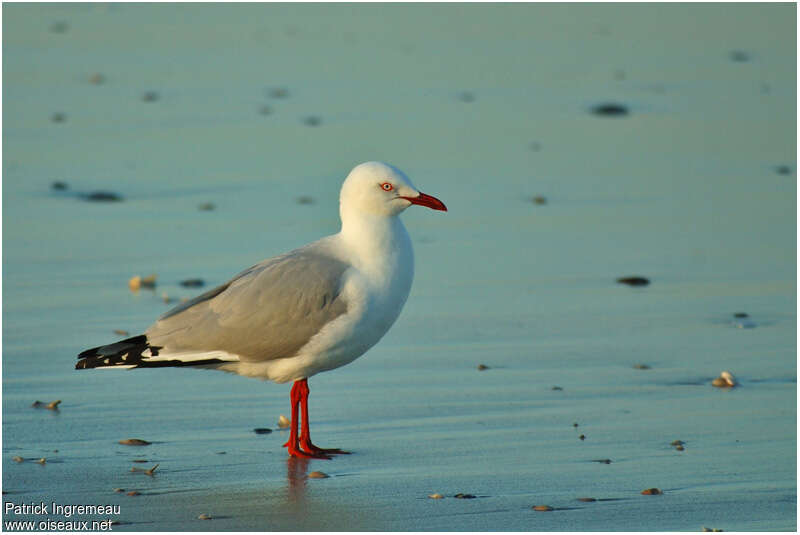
x: 539, y: 199
x: 582, y: 437
x: 634, y: 281
x: 783, y: 170
x: 312, y: 120
x: 602, y: 461
x: 557, y: 388
x: 193, y: 283
x: 462, y: 496
x: 741, y: 315
x: 482, y: 367
x: 59, y: 185
x: 262, y: 431
x: 102, y: 196
x: 610, y: 109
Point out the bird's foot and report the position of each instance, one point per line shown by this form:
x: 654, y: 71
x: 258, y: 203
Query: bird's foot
x: 308, y: 446
x: 296, y: 451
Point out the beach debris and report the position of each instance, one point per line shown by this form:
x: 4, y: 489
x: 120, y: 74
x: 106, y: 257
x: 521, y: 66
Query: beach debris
x: 634, y: 281
x: 121, y: 332
x: 482, y: 367
x: 42, y: 461
x: 610, y: 109
x: 741, y: 320
x: 192, y: 283
x: 679, y: 447
x: 587, y: 499
x: 58, y: 117
x: 542, y: 508
x: 602, y: 461
x: 206, y: 206
x: 435, y: 496
x: 262, y: 430
x: 221, y: 452
x: 149, y: 96
x: 204, y: 516
x: 102, y: 196
x: 312, y: 120
x: 59, y: 27
x: 97, y: 79
x: 677, y: 443
x: 783, y: 170
x: 652, y: 491
x: 317, y: 475
x: 133, y: 493
x: 741, y: 315
x: 463, y: 496
x: 59, y: 185
x: 305, y: 199
x: 119, y: 490
x: 574, y: 424
x: 52, y: 405
x: 17, y: 459
x: 466, y: 96
x: 739, y: 56
x: 278, y: 92
x: 556, y: 387
x: 641, y: 367
x: 151, y: 470
x: 134, y: 442
x: 539, y: 199
x: 582, y: 437
x: 283, y: 421
x: 725, y: 380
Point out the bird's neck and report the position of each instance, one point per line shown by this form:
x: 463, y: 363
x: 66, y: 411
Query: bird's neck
x: 379, y: 242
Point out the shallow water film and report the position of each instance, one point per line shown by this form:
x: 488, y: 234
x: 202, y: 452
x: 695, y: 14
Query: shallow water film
x: 621, y: 185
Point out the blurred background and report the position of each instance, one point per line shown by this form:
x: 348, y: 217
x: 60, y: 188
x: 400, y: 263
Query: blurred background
x: 572, y: 143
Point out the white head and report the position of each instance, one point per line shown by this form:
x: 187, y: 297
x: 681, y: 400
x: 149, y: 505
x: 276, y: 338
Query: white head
x: 381, y: 189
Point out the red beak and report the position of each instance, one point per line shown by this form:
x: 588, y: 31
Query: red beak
x: 427, y: 200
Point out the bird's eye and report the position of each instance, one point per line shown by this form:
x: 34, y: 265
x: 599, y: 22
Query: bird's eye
x: 387, y: 186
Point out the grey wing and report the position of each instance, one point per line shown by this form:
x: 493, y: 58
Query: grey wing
x: 266, y: 312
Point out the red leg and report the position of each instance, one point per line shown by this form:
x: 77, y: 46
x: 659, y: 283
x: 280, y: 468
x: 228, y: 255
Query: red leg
x: 305, y: 434
x: 293, y: 444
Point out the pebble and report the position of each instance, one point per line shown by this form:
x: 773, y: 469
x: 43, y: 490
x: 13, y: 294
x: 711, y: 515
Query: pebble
x: 17, y: 459
x: 482, y: 367
x: 677, y: 443
x: 103, y: 196
x: 741, y: 315
x: 204, y: 516
x: 317, y: 475
x: 783, y: 170
x: 118, y: 490
x: 575, y: 424
x: 134, y: 442
x: 435, y: 496
x: 587, y: 499
x: 558, y: 388
x: 206, y: 206
x: 149, y: 96
x: 42, y: 461
x: 462, y: 496
x: 312, y: 120
x: 582, y: 437
x: 539, y: 199
x: 121, y: 332
x: 58, y: 185
x: 466, y: 96
x: 610, y: 109
x: 542, y: 508
x: 725, y: 380
x: 652, y: 492
x: 602, y: 461
x: 283, y: 422
x: 739, y: 56
x: 192, y: 283
x: 634, y: 281
x: 53, y: 405
x: 278, y: 92
x: 97, y: 79
x: 641, y: 367
x: 58, y: 117
x: 262, y: 430
x: 133, y: 493
x: 139, y: 461
x: 305, y: 199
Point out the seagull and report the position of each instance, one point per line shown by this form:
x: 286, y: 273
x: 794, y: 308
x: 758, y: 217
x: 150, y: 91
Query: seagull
x: 294, y: 315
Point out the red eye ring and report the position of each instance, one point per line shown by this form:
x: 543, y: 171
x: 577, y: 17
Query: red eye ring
x: 387, y: 186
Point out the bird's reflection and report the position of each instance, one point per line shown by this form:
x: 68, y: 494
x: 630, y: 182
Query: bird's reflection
x: 296, y: 475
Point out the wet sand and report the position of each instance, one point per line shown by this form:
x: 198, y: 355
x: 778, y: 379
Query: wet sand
x: 684, y: 190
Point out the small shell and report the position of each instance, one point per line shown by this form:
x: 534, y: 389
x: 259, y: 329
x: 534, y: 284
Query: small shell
x: 542, y: 508
x: 318, y: 475
x: 118, y: 490
x: 42, y: 461
x: 134, y: 283
x: 679, y: 447
x: 204, y: 516
x: 134, y: 442
x: 435, y: 496
x: 283, y: 422
x: 53, y: 405
x: 728, y: 376
x: 652, y: 492
x: 17, y: 459
x: 725, y: 380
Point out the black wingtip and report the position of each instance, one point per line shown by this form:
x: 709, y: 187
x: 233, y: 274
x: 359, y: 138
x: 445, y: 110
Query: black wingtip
x: 124, y: 352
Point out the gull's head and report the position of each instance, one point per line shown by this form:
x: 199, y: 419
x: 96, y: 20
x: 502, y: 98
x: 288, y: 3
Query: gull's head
x: 382, y: 189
